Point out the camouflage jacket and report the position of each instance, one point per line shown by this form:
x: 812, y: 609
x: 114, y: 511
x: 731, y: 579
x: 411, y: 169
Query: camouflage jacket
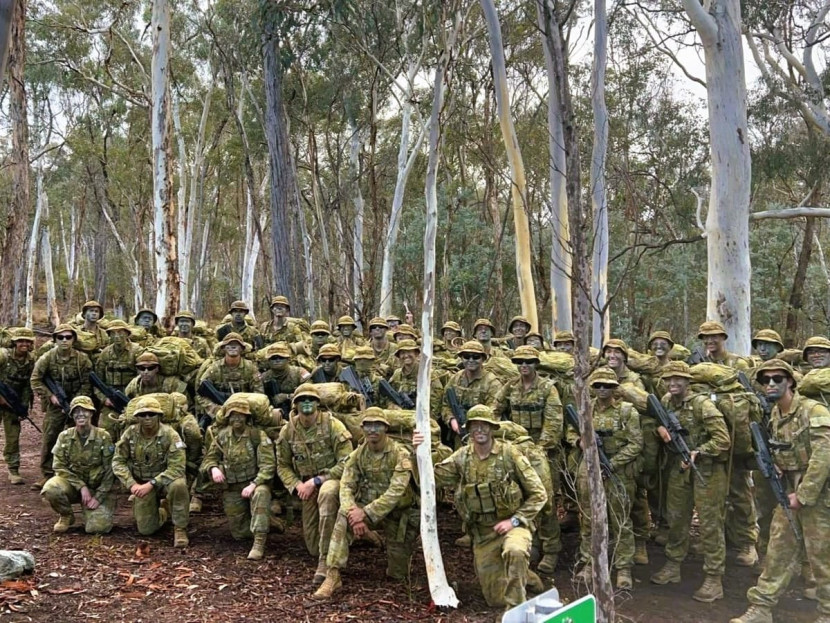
x: 117, y: 367
x: 85, y: 463
x: 289, y: 333
x: 17, y: 373
x: 321, y: 450
x: 538, y: 409
x: 483, y: 390
x: 732, y: 360
x: 164, y: 384
x: 408, y: 384
x: 242, y: 378
x: 245, y: 458
x: 805, y: 428
x: 248, y: 333
x: 378, y: 482
x: 707, y: 432
x: 618, y: 425
x: 285, y: 383
x: 71, y: 373
x: 139, y: 459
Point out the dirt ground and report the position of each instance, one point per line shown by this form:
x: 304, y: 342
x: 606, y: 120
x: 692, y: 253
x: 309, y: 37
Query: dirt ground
x: 122, y: 577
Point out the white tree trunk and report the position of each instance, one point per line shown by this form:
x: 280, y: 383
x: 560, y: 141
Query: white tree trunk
x: 599, y: 283
x: 181, y: 213
x: 31, y: 255
x: 357, y: 268
x: 135, y: 270
x: 727, y: 223
x: 52, y: 312
x: 442, y: 594
x: 560, y: 250
x: 518, y: 186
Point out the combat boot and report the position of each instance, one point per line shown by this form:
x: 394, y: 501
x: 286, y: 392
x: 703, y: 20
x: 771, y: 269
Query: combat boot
x: 710, y: 590
x: 624, y: 581
x: 37, y: 486
x: 661, y: 536
x: 329, y: 585
x: 164, y: 512
x: 14, y: 477
x: 180, y: 539
x: 747, y: 556
x: 63, y: 523
x: 548, y: 564
x: 276, y: 507
x: 373, y: 538
x: 195, y: 505
x: 669, y: 574
x: 754, y: 614
x: 534, y: 583
x: 640, y: 553
x: 258, y: 548
x: 320, y: 573
x: 464, y: 541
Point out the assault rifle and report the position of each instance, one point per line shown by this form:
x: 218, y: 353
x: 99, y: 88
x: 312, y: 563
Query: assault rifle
x: 361, y: 386
x: 766, y: 465
x: 118, y: 398
x: 12, y: 400
x: 698, y: 356
x: 399, y: 398
x: 604, y: 462
x: 208, y: 390
x: 459, y: 412
x: 766, y: 405
x: 58, y: 392
x: 272, y: 388
x: 319, y: 376
x: 669, y: 421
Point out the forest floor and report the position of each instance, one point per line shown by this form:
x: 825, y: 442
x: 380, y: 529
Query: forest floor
x: 124, y: 577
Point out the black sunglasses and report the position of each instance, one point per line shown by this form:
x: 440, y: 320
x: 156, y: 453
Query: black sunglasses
x: 64, y: 338
x: 328, y: 359
x: 604, y: 386
x: 146, y: 414
x: 467, y: 357
x: 775, y: 378
x: 145, y: 368
x: 277, y: 358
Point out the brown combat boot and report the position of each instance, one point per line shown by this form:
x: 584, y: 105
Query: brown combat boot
x: 464, y: 541
x: 320, y: 573
x: 754, y: 614
x: 547, y: 565
x: 37, y: 486
x: 640, y: 553
x: 534, y: 583
x: 180, y: 539
x: 14, y: 477
x: 164, y: 512
x: 195, y: 505
x: 747, y: 556
x: 373, y: 538
x: 710, y: 590
x: 624, y: 581
x: 258, y: 548
x: 329, y: 585
x: 62, y: 525
x: 669, y: 574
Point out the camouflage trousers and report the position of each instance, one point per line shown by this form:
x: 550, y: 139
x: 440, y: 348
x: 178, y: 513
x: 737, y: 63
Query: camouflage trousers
x: 685, y: 494
x: 765, y: 504
x: 646, y: 500
x: 54, y: 421
x: 319, y: 515
x: 784, y: 554
x: 11, y: 439
x: 618, y: 497
x: 146, y: 509
x: 502, y: 563
x: 550, y: 533
x: 61, y: 495
x: 400, y: 531
x: 741, y: 519
x: 247, y: 517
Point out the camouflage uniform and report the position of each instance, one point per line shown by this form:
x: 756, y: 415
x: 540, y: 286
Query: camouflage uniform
x: 501, y: 486
x: 483, y: 390
x: 289, y: 332
x: 116, y: 367
x: 16, y: 374
x: 805, y: 464
x: 80, y: 463
x: 241, y: 378
x: 285, y: 383
x: 72, y: 374
x: 244, y: 459
x: 379, y: 483
x: 249, y: 334
x: 162, y: 458
x: 164, y: 385
x: 408, y: 384
x: 304, y: 453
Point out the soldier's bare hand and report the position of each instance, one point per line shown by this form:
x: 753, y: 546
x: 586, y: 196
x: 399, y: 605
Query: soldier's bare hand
x: 248, y: 491
x: 108, y: 403
x: 794, y: 503
x: 54, y: 400
x: 417, y: 438
x: 86, y: 496
x: 664, y: 434
x: 306, y: 490
x: 503, y: 527
x: 92, y: 504
x: 216, y: 475
x: 356, y: 516
x: 141, y: 491
x: 455, y: 427
x: 360, y: 529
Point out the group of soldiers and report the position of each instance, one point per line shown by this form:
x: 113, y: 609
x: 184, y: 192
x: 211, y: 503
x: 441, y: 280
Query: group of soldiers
x: 257, y: 414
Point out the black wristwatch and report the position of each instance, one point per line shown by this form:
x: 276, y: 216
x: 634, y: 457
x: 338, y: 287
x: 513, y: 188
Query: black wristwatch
x: 514, y: 521
x: 317, y: 481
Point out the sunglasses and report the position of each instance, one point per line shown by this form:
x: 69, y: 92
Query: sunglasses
x: 775, y: 378
x: 374, y: 427
x: 145, y: 368
x: 328, y: 359
x: 277, y: 358
x: 604, y: 386
x: 471, y: 357
x: 64, y: 338
x: 146, y: 415
x: 524, y: 362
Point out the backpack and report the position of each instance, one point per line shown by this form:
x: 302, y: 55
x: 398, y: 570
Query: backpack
x: 816, y: 385
x: 176, y: 356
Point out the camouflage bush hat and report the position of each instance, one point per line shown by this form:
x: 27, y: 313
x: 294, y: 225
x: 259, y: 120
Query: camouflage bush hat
x: 482, y: 413
x: 344, y: 321
x: 362, y: 352
x: 406, y: 346
x: 22, y: 333
x: 239, y: 306
x: 84, y: 402
x: 711, y: 327
x: 92, y: 304
x: 280, y: 300
x: 319, y: 326
x: 564, y: 336
x: 774, y: 364
x: 516, y: 319
x: 452, y: 325
x: 393, y: 319
x: 660, y: 335
x: 618, y: 344
x: 237, y: 404
x: 185, y: 314
x: 817, y: 342
x: 405, y: 329
x: 329, y: 350
x: 306, y: 390
x: 233, y: 337
x: 378, y: 322
x: 676, y: 368
x: 278, y: 349
x: 118, y: 325
x: 145, y: 310
x: 65, y: 328
x: 472, y: 347
x: 767, y: 335
x: 483, y: 322
x: 603, y: 375
x: 525, y: 353
x: 147, y: 359
x: 374, y: 414
x: 148, y: 405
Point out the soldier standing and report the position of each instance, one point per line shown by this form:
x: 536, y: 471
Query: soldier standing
x: 231, y: 374
x: 817, y: 352
x: 518, y: 328
x: 82, y: 459
x: 280, y: 328
x: 473, y: 385
x: 150, y: 462
x: 16, y: 365
x: 150, y: 381
x: 280, y: 378
x: 348, y: 341
x: 249, y: 335
x: 404, y: 380
x: 767, y: 343
x: 185, y: 323
x: 714, y: 337
x: 116, y: 365
x: 329, y: 365
x: 147, y: 330
x: 92, y: 312
x: 69, y: 370
x: 564, y: 342
x: 383, y: 348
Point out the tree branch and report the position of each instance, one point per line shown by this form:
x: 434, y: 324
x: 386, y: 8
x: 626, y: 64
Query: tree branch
x: 705, y: 23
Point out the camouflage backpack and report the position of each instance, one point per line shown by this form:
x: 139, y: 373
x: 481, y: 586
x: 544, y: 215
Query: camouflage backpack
x: 176, y: 356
